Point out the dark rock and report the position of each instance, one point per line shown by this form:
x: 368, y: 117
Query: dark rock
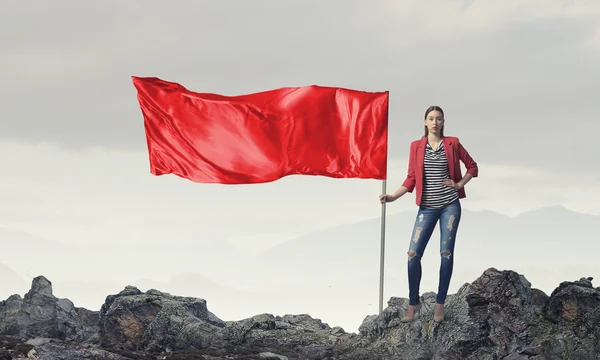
x: 13, y: 348
x: 41, y: 314
x: 74, y: 351
x: 132, y: 320
x: 539, y: 298
x: 575, y: 303
x: 498, y: 316
x: 337, y: 331
x: 585, y: 282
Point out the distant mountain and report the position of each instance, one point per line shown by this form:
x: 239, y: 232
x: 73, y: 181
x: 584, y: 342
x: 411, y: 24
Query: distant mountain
x: 27, y: 253
x: 335, y: 272
x: 340, y: 265
x: 30, y: 255
x: 11, y: 282
x: 332, y: 274
x: 485, y: 239
x: 20, y: 241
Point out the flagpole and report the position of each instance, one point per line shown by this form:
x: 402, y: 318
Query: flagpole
x: 382, y: 251
x: 382, y: 256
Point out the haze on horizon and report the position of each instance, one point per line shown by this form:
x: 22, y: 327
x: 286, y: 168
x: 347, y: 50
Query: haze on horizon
x: 516, y: 78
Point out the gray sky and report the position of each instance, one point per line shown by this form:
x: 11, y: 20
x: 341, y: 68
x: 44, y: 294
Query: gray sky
x: 525, y: 72
x: 519, y: 82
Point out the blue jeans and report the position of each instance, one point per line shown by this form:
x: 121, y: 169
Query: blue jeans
x: 427, y: 218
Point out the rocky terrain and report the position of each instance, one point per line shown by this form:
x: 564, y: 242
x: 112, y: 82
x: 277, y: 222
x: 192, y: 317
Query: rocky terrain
x: 498, y: 316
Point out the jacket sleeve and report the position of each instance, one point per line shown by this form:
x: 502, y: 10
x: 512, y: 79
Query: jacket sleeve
x: 410, y: 180
x: 470, y: 164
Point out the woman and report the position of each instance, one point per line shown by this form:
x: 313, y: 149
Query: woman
x: 434, y: 170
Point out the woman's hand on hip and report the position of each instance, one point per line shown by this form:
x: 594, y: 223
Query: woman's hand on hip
x: 451, y: 183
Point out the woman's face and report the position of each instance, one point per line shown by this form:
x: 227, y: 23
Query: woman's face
x: 434, y: 122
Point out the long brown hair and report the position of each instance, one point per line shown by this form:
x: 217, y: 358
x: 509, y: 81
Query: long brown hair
x: 430, y: 109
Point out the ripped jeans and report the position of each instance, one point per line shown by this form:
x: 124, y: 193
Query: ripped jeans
x: 427, y: 218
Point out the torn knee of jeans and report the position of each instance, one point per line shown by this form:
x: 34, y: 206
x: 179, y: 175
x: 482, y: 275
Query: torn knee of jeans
x: 411, y: 254
x: 446, y: 254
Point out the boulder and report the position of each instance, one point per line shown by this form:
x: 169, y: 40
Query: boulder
x: 40, y: 314
x: 498, y: 316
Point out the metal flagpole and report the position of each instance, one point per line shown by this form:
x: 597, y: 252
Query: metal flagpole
x: 382, y: 257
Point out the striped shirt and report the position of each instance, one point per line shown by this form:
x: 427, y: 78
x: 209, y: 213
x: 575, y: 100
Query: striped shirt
x: 435, y: 170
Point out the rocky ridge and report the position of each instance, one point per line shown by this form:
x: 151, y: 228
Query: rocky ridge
x: 499, y: 316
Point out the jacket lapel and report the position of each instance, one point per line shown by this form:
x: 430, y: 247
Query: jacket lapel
x: 449, y: 150
x: 421, y: 155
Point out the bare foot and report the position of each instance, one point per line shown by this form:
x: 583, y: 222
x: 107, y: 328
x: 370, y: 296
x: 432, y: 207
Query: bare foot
x: 439, y: 314
x: 410, y: 313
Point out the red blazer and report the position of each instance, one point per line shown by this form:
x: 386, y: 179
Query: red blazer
x: 455, y: 152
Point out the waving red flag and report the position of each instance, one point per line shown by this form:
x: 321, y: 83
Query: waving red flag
x: 262, y: 137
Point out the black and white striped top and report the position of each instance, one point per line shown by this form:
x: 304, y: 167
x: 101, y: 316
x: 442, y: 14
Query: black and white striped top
x: 435, y: 169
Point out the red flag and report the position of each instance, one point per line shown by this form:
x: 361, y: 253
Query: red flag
x: 262, y: 137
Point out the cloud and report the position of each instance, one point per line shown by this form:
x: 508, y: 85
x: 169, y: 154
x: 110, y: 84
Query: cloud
x: 519, y: 72
x: 516, y: 78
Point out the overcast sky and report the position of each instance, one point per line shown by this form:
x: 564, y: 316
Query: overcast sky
x: 519, y: 81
